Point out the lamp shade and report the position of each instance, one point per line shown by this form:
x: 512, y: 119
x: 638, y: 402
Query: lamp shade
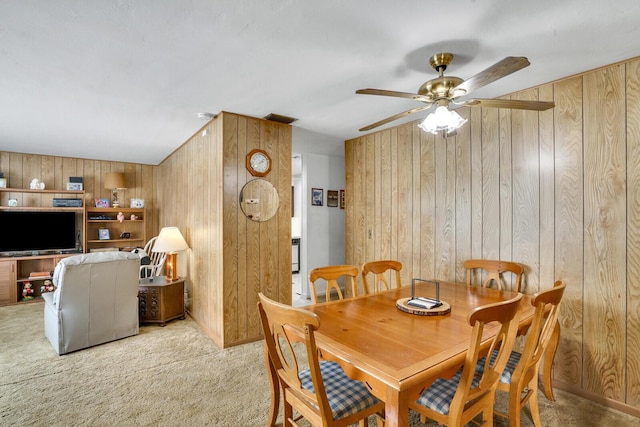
x: 170, y: 240
x: 115, y: 180
x: 442, y: 119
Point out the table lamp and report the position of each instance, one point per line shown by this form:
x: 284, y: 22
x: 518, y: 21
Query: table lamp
x: 115, y: 181
x: 170, y: 240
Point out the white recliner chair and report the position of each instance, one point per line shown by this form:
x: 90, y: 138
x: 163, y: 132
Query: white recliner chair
x: 96, y: 300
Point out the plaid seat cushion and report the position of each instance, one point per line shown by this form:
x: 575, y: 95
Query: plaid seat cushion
x: 438, y: 397
x: 505, y: 378
x: 346, y: 396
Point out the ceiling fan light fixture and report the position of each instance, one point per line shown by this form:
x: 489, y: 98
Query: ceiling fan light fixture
x: 441, y: 120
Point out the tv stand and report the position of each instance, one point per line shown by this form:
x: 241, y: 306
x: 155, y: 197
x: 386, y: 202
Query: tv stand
x: 15, y: 269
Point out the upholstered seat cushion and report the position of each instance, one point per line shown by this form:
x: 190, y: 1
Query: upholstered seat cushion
x: 345, y: 396
x: 512, y: 363
x: 438, y: 397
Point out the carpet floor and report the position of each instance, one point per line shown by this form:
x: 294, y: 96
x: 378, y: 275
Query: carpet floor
x: 169, y: 376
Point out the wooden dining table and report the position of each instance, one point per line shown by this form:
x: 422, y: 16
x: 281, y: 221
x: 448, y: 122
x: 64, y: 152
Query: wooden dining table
x: 399, y: 354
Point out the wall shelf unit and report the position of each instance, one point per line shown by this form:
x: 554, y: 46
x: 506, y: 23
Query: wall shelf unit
x: 107, y: 219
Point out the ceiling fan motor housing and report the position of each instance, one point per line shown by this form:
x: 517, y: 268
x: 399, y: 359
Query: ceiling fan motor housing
x: 441, y: 87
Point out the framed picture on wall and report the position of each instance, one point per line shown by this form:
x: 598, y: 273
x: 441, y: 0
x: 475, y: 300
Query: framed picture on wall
x: 317, y: 196
x: 332, y: 198
x: 341, y: 199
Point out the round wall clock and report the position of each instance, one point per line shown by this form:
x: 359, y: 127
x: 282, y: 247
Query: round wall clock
x: 258, y: 162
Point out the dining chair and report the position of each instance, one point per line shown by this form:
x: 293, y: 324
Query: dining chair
x: 494, y: 270
x: 456, y: 401
x: 379, y: 270
x: 520, y: 376
x: 322, y: 394
x: 330, y: 274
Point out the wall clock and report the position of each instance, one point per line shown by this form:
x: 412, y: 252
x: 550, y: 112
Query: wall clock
x: 258, y: 162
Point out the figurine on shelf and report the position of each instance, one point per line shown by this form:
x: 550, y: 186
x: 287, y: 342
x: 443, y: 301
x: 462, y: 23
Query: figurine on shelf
x: 120, y: 216
x: 47, y: 286
x: 134, y: 217
x: 36, y: 184
x: 27, y: 291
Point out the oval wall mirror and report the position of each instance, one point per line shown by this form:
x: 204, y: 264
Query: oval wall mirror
x: 259, y: 200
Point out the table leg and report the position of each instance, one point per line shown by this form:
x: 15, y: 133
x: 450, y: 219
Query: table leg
x: 396, y: 409
x: 275, y: 389
x: 549, y: 355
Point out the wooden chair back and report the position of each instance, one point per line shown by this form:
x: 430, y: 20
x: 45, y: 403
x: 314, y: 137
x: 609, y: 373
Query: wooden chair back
x: 277, y: 322
x: 331, y: 274
x: 379, y: 270
x: 525, y: 376
x: 494, y: 270
x: 474, y: 395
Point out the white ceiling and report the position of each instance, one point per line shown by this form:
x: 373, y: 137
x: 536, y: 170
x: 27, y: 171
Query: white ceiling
x: 125, y: 80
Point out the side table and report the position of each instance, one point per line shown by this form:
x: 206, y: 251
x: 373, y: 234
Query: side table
x: 160, y: 300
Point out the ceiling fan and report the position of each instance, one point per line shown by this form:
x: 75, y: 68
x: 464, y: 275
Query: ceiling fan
x: 444, y: 90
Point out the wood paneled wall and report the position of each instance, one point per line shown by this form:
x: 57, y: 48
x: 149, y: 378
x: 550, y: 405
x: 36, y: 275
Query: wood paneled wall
x: 557, y: 191
x: 231, y: 258
x: 20, y: 169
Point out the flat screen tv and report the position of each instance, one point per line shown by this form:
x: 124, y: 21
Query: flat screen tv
x: 32, y: 231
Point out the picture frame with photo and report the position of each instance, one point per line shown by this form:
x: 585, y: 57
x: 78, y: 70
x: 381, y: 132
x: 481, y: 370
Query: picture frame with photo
x: 103, y: 234
x: 342, y: 204
x: 317, y: 196
x: 102, y: 203
x: 332, y: 198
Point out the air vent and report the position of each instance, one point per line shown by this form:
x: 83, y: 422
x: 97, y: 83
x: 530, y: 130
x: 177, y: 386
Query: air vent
x: 279, y: 118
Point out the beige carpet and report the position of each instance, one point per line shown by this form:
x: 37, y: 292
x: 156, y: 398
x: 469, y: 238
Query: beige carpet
x: 171, y: 376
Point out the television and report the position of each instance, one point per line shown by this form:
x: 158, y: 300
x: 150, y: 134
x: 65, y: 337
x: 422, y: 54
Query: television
x: 35, y: 231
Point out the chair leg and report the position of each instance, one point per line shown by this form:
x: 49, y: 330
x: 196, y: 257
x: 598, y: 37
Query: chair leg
x: 534, y: 408
x: 515, y: 405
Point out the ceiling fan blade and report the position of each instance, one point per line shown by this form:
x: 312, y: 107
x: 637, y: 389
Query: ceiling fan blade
x: 507, y: 103
x: 383, y: 92
x: 394, y: 117
x: 500, y: 69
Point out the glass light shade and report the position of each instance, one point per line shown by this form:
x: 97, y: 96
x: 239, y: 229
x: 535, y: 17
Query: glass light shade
x: 442, y: 119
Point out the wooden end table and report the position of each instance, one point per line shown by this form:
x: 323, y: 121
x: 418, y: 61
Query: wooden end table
x: 160, y: 300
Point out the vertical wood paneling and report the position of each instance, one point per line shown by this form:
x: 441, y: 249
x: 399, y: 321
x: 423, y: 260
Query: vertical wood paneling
x: 404, y: 228
x: 526, y: 190
x: 463, y: 197
x: 415, y: 202
x: 633, y: 233
x: 554, y: 191
x: 547, y: 275
x: 569, y: 228
x: 232, y: 187
x: 427, y: 205
x: 605, y: 227
x: 490, y: 184
x: 372, y: 198
x: 506, y: 188
x: 348, y: 198
x: 383, y: 240
x: 477, y: 208
x: 243, y: 257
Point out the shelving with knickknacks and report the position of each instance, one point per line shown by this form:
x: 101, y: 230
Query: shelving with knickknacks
x: 55, y: 220
x: 25, y: 279
x: 113, y: 229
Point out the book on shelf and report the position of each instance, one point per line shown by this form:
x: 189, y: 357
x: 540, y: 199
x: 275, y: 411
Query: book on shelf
x: 39, y: 274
